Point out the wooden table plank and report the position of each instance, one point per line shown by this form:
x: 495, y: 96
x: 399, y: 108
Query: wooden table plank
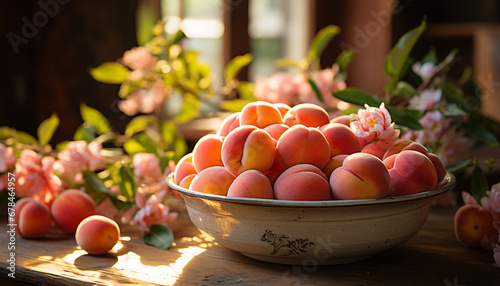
x: 432, y: 257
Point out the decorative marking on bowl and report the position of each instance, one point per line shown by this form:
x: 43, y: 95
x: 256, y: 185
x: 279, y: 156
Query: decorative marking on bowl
x: 285, y: 244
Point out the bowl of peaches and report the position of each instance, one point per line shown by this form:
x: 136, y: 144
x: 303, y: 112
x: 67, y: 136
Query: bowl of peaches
x: 290, y: 185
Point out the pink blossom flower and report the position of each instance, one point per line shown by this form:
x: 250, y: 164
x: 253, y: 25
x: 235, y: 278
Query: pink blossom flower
x: 426, y: 100
x: 146, y: 165
x: 7, y: 158
x: 373, y: 124
x: 35, y: 178
x: 455, y: 147
x: 435, y: 126
x: 496, y: 251
x: 153, y: 211
x: 77, y: 157
x: 426, y: 71
x: 279, y: 87
x: 492, y: 204
x: 145, y: 100
x: 139, y: 58
x: 468, y: 199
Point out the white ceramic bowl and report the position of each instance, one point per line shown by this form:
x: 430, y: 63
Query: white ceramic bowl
x: 309, y: 233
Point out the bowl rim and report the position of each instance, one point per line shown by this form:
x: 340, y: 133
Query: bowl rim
x: 449, y: 183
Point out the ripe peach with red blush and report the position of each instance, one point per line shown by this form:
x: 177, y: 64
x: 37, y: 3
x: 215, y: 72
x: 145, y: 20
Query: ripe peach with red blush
x: 70, y: 208
x: 207, y: 152
x: 260, y: 114
x: 248, y: 147
x: 302, y: 145
x: 97, y: 234
x: 184, y: 168
x: 342, y: 119
x: 307, y: 114
x: 32, y: 218
x: 303, y: 182
x: 342, y: 139
x: 333, y: 164
x: 362, y: 176
x: 411, y: 172
x: 212, y: 180
x: 474, y: 226
x: 251, y: 184
x: 228, y: 124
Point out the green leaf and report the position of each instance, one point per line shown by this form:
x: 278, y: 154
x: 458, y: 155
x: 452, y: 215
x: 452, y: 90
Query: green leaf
x: 25, y: 138
x: 62, y: 145
x: 47, y: 128
x: 133, y: 147
x: 404, y: 89
x: 85, y: 132
x: 405, y: 117
x: 125, y: 180
x: 110, y: 72
x: 316, y: 90
x: 287, y: 62
x: 177, y: 37
x: 98, y: 191
x: 149, y: 145
x: 236, y: 65
x: 139, y: 123
x: 159, y: 236
x: 479, y: 132
x: 357, y: 96
x: 189, y: 109
x: 234, y: 105
x: 320, y: 41
x: 145, y: 22
x: 5, y: 133
x: 344, y: 60
x: 174, y: 139
x: 398, y: 55
x: 479, y: 184
x: 459, y: 167
x: 246, y: 90
x: 96, y: 118
x: 452, y: 93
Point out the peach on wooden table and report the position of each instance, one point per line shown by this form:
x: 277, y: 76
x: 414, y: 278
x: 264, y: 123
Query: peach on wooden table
x: 474, y: 226
x: 70, y: 208
x: 32, y: 218
x: 97, y: 234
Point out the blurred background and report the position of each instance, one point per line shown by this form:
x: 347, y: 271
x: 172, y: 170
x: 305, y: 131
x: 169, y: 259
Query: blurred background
x: 49, y: 46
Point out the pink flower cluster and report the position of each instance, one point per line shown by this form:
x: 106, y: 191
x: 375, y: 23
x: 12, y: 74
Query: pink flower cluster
x: 79, y: 156
x: 294, y: 89
x: 149, y: 178
x: 7, y: 161
x: 148, y: 99
x: 35, y: 177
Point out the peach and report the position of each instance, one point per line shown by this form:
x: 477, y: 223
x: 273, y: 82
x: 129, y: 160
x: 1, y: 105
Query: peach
x: 207, y: 152
x: 213, y: 180
x: 333, y: 164
x: 32, y: 218
x: 70, y: 208
x: 342, y: 119
x: 184, y: 168
x: 260, y: 114
x: 474, y: 226
x: 303, y: 182
x: 276, y: 130
x: 302, y: 145
x: 186, y: 181
x: 283, y: 108
x: 397, y: 147
x: 307, y: 114
x: 362, y: 176
x: 251, y: 184
x: 377, y: 149
x: 228, y: 124
x: 97, y: 234
x: 341, y: 138
x: 411, y: 172
x: 273, y: 175
x: 248, y: 147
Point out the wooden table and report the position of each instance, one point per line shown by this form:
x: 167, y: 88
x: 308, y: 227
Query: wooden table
x: 432, y: 257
